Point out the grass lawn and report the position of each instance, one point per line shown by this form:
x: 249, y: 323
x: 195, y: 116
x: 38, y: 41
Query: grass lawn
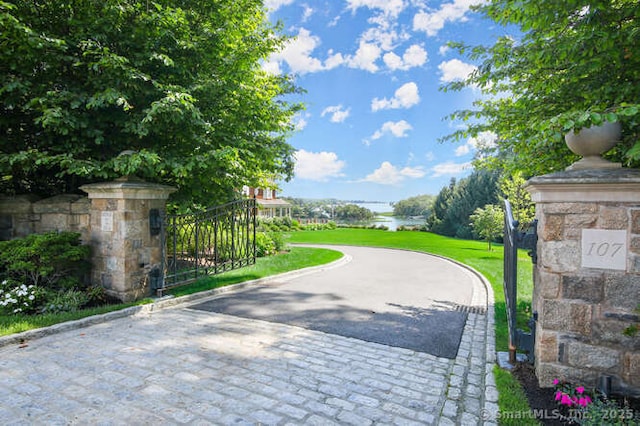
x: 10, y: 324
x: 297, y: 258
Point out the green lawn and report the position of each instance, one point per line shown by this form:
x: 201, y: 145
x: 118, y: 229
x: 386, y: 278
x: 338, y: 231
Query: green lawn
x: 296, y: 258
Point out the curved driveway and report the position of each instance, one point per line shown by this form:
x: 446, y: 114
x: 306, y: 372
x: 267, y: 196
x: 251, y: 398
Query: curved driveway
x: 399, y: 298
x: 161, y: 366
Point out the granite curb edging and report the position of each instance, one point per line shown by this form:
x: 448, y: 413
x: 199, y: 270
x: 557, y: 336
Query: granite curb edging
x: 160, y: 303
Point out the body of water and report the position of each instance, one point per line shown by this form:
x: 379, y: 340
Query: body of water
x: 376, y: 207
x: 393, y: 222
x: 390, y: 222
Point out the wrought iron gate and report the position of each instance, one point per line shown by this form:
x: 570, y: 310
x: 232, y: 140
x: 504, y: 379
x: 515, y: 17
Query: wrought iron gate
x: 513, y: 240
x: 207, y: 243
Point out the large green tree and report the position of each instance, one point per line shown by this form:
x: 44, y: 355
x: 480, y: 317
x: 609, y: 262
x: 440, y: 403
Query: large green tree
x: 420, y: 205
x: 456, y: 202
x: 571, y: 64
x: 178, y: 84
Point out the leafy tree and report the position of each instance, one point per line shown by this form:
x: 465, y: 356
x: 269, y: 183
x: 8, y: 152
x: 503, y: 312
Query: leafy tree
x: 574, y: 64
x: 178, y: 84
x: 488, y: 222
x: 438, y: 221
x: 419, y: 205
x: 512, y: 189
x: 476, y: 190
x: 351, y: 212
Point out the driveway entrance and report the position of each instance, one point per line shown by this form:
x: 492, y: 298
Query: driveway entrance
x: 398, y: 298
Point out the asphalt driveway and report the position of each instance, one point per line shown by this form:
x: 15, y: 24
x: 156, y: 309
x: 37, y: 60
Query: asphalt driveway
x: 394, y: 297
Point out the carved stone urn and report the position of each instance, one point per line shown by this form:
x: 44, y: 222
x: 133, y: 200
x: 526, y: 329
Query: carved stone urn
x: 591, y: 143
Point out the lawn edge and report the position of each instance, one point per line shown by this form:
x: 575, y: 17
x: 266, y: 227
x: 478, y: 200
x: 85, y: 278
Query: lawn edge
x: 165, y: 302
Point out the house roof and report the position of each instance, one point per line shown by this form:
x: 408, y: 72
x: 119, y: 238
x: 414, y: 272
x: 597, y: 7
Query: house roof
x: 273, y: 202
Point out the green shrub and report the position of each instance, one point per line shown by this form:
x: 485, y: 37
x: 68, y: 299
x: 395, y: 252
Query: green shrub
x: 264, y: 245
x: 65, y: 301
x: 54, y: 260
x: 278, y: 241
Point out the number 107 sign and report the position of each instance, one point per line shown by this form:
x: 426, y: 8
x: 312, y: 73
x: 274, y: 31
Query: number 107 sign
x: 604, y: 248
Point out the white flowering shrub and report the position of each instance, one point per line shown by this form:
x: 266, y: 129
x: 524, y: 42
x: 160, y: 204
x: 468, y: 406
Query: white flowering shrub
x: 16, y: 298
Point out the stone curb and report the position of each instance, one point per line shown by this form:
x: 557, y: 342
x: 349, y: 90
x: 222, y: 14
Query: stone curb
x: 161, y: 303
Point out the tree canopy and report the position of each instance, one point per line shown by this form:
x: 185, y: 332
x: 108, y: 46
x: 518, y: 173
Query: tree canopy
x: 488, y: 222
x: 456, y: 202
x: 575, y: 64
x: 177, y: 84
x: 420, y: 205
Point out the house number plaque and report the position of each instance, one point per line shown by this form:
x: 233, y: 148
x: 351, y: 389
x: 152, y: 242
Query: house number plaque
x: 107, y: 221
x: 604, y: 249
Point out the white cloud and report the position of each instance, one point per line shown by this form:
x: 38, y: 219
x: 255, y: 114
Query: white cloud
x: 338, y: 115
x: 365, y: 57
x: 414, y: 56
x: 272, y: 67
x: 398, y: 129
x: 334, y: 60
x: 405, y: 97
x: 454, y: 70
x: 273, y: 5
x: 432, y: 22
x: 484, y: 140
x: 388, y: 174
x: 300, y: 121
x: 298, y: 56
x: 463, y: 149
x: 443, y: 50
x: 317, y: 166
x: 381, y: 36
x: 306, y: 14
x: 388, y: 7
x: 449, y: 168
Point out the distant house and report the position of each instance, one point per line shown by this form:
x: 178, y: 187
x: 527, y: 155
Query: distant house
x: 269, y: 205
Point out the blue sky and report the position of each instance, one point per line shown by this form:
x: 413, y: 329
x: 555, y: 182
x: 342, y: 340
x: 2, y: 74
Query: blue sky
x: 371, y: 70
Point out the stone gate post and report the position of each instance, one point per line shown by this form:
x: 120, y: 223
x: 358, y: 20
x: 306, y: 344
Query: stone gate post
x: 587, y: 279
x: 125, y: 247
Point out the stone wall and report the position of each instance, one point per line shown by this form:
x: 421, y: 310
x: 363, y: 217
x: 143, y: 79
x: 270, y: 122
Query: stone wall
x: 25, y: 214
x: 114, y: 219
x: 587, y: 280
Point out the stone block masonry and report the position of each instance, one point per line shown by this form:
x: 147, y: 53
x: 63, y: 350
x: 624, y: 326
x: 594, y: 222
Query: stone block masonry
x: 124, y: 251
x: 587, y: 280
x: 113, y: 220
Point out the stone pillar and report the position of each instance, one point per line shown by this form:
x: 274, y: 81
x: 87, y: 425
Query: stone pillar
x: 124, y: 251
x: 587, y: 280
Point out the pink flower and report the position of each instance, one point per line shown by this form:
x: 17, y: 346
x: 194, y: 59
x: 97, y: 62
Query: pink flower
x: 580, y: 389
x: 555, y: 382
x: 584, y: 401
x: 566, y: 400
x: 558, y: 395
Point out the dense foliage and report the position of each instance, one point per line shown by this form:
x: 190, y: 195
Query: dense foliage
x: 455, y: 203
x: 419, y: 205
x: 45, y: 273
x: 488, y: 222
x: 351, y: 212
x: 178, y: 85
x: 570, y: 65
